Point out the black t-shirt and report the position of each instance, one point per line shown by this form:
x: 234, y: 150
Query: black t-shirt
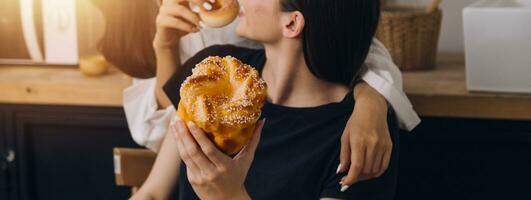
x: 298, y: 152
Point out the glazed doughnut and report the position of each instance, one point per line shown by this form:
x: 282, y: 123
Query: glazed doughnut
x: 223, y: 97
x: 223, y: 12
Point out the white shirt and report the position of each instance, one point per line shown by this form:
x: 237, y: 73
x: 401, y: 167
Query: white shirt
x: 148, y: 124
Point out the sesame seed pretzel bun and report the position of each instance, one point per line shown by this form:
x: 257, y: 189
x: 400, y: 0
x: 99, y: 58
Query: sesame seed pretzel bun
x: 223, y: 97
x: 223, y: 12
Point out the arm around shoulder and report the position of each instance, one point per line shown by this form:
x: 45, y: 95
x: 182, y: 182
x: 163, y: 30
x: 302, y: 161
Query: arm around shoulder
x: 385, y: 77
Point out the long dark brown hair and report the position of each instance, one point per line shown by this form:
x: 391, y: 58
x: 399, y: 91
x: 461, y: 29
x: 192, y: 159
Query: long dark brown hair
x: 337, y: 35
x: 129, y: 32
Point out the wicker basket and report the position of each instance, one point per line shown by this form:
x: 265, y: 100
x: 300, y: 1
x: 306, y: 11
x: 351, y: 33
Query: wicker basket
x: 411, y: 35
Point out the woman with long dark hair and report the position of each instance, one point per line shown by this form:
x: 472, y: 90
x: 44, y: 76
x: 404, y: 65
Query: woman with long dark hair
x: 128, y: 44
x: 313, y: 55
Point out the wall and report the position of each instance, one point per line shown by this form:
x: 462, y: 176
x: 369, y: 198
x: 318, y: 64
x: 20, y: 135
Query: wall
x: 452, y: 27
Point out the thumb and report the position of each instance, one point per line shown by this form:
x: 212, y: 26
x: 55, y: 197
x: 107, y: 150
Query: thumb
x: 250, y: 148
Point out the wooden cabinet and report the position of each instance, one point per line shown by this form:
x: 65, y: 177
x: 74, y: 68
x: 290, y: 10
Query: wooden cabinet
x: 61, y: 152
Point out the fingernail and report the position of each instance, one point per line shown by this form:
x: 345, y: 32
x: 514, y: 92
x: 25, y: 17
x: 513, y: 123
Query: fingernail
x: 344, y: 188
x: 202, y: 24
x: 207, y: 6
x: 196, y: 8
x: 338, y: 168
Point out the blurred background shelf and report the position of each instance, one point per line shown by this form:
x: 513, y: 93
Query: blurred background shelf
x: 50, y: 85
x: 442, y: 92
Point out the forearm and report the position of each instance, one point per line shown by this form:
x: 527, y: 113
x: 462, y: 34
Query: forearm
x: 363, y: 91
x: 242, y: 196
x: 164, y: 174
x: 168, y: 62
x: 385, y: 77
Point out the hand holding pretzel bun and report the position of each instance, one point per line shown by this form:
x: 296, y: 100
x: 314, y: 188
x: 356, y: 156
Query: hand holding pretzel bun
x: 224, y: 98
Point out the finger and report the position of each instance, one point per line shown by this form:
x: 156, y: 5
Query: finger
x: 385, y: 161
x: 370, y: 154
x: 207, y: 147
x: 250, y: 148
x: 178, y: 129
x: 171, y: 22
x: 193, y: 150
x: 205, y: 4
x: 356, y: 164
x: 376, y: 165
x: 171, y: 1
x: 181, y: 12
x: 344, y: 154
x: 364, y: 177
x: 194, y: 8
x: 253, y: 143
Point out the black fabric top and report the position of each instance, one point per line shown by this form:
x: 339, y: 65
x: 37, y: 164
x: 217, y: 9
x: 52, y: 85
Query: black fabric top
x: 298, y: 152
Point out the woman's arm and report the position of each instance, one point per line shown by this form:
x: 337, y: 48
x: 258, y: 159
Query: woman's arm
x: 147, y: 108
x: 174, y: 21
x: 385, y: 78
x: 168, y: 61
x: 366, y: 144
x: 164, y: 174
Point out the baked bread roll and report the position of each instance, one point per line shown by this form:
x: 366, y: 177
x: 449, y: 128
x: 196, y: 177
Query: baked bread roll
x: 223, y: 12
x: 223, y: 97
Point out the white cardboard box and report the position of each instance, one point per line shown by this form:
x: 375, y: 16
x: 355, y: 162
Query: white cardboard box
x: 498, y: 45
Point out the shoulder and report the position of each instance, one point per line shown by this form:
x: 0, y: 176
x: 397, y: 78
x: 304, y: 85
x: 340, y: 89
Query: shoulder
x: 242, y: 53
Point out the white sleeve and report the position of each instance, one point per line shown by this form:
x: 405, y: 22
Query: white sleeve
x: 385, y: 77
x: 147, y: 123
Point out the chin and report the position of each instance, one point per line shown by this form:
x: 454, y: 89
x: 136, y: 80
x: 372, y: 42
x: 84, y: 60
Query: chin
x: 241, y: 30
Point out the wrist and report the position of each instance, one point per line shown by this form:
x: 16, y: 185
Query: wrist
x: 378, y: 100
x: 163, y: 48
x: 363, y: 92
x: 235, y: 195
x: 242, y: 195
x: 159, y: 46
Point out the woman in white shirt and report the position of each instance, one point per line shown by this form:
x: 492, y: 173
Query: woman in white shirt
x: 365, y: 140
